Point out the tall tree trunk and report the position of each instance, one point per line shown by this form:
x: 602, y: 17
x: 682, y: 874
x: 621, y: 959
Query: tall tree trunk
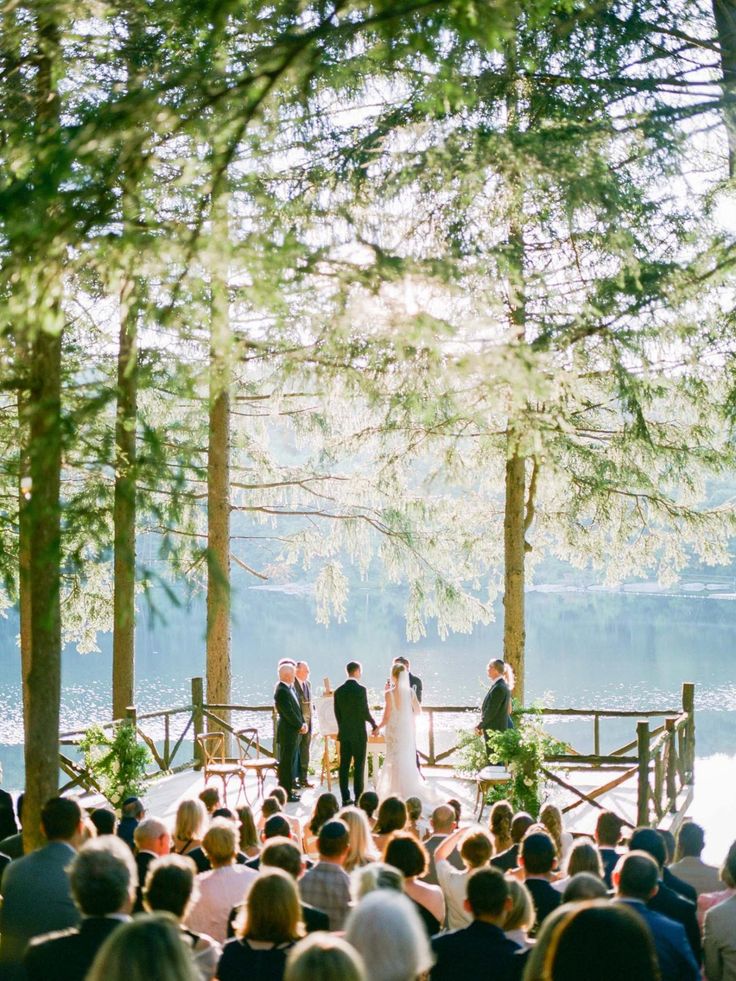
x: 725, y: 16
x: 514, y: 625
x: 218, y: 471
x: 24, y: 532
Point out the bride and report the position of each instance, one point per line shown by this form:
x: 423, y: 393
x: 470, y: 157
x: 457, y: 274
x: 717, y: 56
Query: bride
x: 400, y: 776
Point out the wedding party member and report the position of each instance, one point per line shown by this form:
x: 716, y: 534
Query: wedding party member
x: 352, y: 714
x: 415, y: 683
x: 537, y: 857
x: 407, y: 855
x: 149, y: 947
x: 327, y: 885
x: 386, y: 930
x: 303, y: 688
x: 324, y: 958
x: 690, y: 867
x: 270, y: 925
x: 496, y: 709
x: 291, y: 725
x: 443, y: 822
x: 475, y: 849
x: 400, y: 775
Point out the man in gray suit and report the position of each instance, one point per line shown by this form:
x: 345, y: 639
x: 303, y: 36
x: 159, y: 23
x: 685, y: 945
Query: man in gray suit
x: 719, y: 930
x: 36, y: 891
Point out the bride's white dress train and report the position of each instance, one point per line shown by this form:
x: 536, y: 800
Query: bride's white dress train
x: 399, y: 776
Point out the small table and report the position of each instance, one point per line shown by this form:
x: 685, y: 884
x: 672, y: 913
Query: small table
x: 489, y: 776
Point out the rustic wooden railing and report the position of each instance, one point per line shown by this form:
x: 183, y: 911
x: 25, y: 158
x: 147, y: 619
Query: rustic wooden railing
x: 661, y: 758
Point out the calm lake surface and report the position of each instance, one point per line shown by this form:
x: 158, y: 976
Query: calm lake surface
x: 585, y: 649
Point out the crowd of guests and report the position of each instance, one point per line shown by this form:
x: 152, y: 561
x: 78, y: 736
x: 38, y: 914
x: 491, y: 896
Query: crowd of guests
x: 360, y: 893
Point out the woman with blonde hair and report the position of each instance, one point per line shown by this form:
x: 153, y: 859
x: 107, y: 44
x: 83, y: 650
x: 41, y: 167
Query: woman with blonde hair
x: 149, y: 948
x: 265, y: 931
x: 551, y: 818
x: 520, y: 918
x: 361, y: 850
x: 190, y: 826
x: 324, y: 957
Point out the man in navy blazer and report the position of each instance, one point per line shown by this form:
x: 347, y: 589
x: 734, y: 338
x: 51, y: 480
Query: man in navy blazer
x: 495, y: 714
x: 636, y: 878
x: 481, y: 950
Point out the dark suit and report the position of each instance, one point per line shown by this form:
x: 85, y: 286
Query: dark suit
x: 290, y: 722
x: 352, y: 713
x: 8, y: 826
x: 142, y: 861
x: 668, y: 903
x: 545, y: 898
x: 304, y: 694
x: 416, y: 684
x: 480, y: 951
x: 679, y: 885
x: 609, y: 859
x: 507, y: 860
x: 68, y: 955
x: 676, y: 960
x: 495, y: 710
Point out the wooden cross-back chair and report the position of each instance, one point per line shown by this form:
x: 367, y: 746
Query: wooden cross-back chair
x: 217, y: 765
x: 252, y: 760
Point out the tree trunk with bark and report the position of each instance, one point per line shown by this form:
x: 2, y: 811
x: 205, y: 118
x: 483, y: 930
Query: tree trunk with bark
x: 514, y: 526
x: 24, y: 532
x: 725, y: 17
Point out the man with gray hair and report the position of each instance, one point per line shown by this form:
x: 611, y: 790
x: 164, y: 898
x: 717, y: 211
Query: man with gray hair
x: 103, y: 880
x: 152, y: 838
x: 291, y: 725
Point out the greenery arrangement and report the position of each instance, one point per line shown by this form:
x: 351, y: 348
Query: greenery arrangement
x: 117, y: 762
x: 522, y: 750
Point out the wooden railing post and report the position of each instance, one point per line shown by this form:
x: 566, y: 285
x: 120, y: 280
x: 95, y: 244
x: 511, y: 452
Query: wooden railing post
x: 431, y: 760
x: 597, y: 734
x: 671, y: 765
x: 197, y: 719
x: 642, y: 797
x: 688, y: 706
x: 131, y: 716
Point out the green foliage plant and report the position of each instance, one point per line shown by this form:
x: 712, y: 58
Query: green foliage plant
x: 117, y: 762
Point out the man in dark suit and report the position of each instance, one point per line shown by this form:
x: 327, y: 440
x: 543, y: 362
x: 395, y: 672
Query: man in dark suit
x: 152, y: 839
x: 414, y: 682
x: 480, y: 950
x: 303, y: 688
x: 291, y: 725
x: 607, y: 836
x: 103, y: 879
x: 495, y: 714
x: 635, y: 877
x: 352, y: 713
x: 8, y: 826
x: 537, y: 856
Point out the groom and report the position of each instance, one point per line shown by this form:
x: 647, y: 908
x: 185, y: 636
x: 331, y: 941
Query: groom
x: 352, y: 713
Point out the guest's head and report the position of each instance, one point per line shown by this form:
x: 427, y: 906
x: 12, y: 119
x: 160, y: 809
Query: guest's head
x: 191, y: 821
x: 325, y: 808
x: 499, y: 821
x: 443, y: 819
x: 280, y: 794
x: 276, y: 827
x: 287, y: 670
x: 354, y: 669
x: 690, y: 840
x: 386, y: 931
x: 220, y: 843
x: 608, y: 829
x: 636, y: 876
x: 152, y: 835
x: 391, y: 816
x: 62, y: 820
x: 476, y: 849
x: 270, y: 806
x: 584, y: 857
x: 584, y: 885
x: 650, y: 841
x: 550, y: 817
x: 333, y: 842
x: 281, y: 853
x: 728, y: 869
x: 368, y: 802
x: 132, y: 807
x: 521, y: 914
x: 210, y: 797
x: 413, y: 808
x: 227, y: 813
x: 670, y: 845
x: 406, y: 854
x: 324, y: 957
x: 457, y: 808
x: 149, y: 948
x: 520, y: 824
x: 377, y: 875
x: 271, y: 912
x: 361, y: 849
x: 248, y: 830
x: 104, y: 820
x: 103, y: 877
x: 537, y: 853
x: 170, y: 885
x: 487, y: 896
x: 601, y: 940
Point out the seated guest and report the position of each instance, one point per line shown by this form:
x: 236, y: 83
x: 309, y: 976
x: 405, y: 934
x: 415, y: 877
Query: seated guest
x: 210, y: 797
x: 324, y: 958
x: 666, y: 901
x: 131, y: 814
x: 499, y: 824
x: 607, y: 836
x: 103, y: 882
x: 270, y: 924
x: 149, y: 947
x: 362, y: 851
x: 282, y: 853
x: 8, y: 826
x: 191, y: 824
x: 509, y: 859
x: 582, y: 886
x: 223, y: 886
x: 410, y: 857
x: 325, y: 809
x: 520, y: 917
x: 327, y: 885
x: 391, y: 817
x: 249, y: 841
x: 689, y: 865
x: 636, y: 879
x: 582, y: 857
x: 37, y: 895
x: 480, y: 950
x: 152, y: 839
x: 550, y: 817
x: 476, y: 849
x: 457, y: 808
x: 707, y: 900
x: 414, y: 823
x: 198, y: 854
x: 276, y: 827
x: 104, y: 820
x: 169, y: 888
x: 386, y: 931
x: 377, y: 875
x: 537, y: 857
x: 719, y: 930
x: 269, y: 807
x: 12, y: 846
x: 368, y: 802
x: 279, y: 794
x: 442, y: 823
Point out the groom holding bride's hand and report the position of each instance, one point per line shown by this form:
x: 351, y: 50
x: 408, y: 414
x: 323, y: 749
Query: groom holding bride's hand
x: 352, y: 713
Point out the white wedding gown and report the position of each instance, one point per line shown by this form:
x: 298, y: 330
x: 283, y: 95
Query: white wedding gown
x: 399, y: 776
